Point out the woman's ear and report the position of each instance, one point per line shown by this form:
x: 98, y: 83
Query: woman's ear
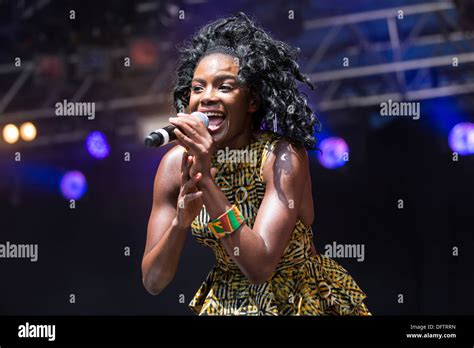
x: 254, y: 103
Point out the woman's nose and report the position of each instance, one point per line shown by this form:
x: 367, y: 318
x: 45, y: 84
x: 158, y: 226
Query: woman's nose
x: 209, y: 96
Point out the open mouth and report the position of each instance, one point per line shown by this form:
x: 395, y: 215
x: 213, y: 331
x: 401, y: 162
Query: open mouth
x: 216, y: 120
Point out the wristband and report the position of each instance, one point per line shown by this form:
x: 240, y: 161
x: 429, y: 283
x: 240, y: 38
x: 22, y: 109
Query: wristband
x: 227, y: 223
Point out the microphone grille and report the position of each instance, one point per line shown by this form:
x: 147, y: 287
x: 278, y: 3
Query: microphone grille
x: 203, y: 117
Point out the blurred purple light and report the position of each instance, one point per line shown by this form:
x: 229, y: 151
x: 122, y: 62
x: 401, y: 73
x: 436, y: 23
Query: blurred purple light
x: 97, y: 145
x: 334, y: 150
x: 461, y: 138
x: 73, y: 185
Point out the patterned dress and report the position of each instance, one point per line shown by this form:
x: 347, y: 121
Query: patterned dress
x: 302, y: 284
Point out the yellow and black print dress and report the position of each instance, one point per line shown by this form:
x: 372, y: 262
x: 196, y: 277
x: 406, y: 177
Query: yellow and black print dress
x: 302, y: 284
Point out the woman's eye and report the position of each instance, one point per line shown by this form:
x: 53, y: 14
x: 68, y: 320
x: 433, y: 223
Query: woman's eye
x: 226, y: 87
x: 196, y: 89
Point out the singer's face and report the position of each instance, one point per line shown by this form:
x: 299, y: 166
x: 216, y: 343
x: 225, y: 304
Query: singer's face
x: 215, y: 88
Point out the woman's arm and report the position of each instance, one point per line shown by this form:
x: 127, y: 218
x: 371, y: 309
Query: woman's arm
x: 260, y: 248
x: 167, y: 226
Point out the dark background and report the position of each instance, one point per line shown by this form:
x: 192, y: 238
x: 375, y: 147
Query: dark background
x: 81, y: 251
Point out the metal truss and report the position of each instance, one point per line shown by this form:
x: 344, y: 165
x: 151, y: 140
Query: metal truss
x: 152, y: 95
x: 392, y: 72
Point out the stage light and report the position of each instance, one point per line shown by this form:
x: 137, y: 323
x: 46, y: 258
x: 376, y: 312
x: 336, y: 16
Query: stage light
x: 28, y: 131
x: 73, y: 185
x: 144, y: 53
x: 335, y: 152
x: 461, y: 138
x: 97, y: 145
x: 49, y: 68
x: 11, y: 133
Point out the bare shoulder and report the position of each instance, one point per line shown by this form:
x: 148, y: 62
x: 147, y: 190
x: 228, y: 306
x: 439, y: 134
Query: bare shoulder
x: 171, y: 161
x: 168, y: 174
x: 286, y: 159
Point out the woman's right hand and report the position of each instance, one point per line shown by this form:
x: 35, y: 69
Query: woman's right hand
x: 189, y: 200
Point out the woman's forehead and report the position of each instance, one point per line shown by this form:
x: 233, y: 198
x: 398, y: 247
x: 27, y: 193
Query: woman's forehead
x: 216, y: 63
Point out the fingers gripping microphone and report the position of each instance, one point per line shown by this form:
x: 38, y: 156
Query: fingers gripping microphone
x: 166, y: 135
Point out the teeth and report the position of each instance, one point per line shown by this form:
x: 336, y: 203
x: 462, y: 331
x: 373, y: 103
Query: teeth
x: 214, y: 114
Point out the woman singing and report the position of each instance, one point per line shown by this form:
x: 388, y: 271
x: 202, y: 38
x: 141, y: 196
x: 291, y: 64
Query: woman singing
x: 243, y: 184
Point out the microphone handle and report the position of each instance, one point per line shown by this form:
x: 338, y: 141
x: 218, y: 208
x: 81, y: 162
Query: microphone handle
x: 161, y: 136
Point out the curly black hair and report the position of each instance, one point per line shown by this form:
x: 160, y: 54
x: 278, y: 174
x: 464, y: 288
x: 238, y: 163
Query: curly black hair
x: 267, y: 67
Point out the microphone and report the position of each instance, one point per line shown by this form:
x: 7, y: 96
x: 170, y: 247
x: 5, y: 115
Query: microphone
x: 166, y: 134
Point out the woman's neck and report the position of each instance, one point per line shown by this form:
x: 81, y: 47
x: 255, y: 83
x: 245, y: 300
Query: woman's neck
x: 240, y: 141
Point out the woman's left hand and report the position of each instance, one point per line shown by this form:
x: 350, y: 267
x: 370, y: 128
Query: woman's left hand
x: 194, y: 136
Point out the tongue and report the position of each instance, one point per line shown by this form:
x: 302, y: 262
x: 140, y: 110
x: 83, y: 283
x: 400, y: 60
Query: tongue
x: 215, y: 121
